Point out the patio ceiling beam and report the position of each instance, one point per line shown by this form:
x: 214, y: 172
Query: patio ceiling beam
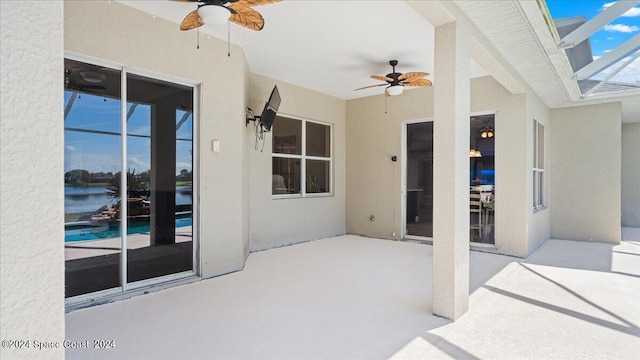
x: 596, y: 23
x: 609, y: 58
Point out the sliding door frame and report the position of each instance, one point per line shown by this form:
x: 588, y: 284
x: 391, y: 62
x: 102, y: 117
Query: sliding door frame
x: 196, y: 119
x: 403, y: 187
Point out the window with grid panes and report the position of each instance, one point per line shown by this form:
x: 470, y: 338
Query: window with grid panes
x: 301, y: 158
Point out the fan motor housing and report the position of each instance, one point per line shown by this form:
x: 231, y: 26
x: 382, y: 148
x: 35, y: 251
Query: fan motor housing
x: 394, y: 76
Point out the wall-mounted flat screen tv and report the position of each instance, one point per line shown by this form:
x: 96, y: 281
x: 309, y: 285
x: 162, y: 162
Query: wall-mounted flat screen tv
x: 270, y: 109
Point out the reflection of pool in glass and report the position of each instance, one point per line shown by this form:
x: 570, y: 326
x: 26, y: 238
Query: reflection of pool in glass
x: 88, y: 232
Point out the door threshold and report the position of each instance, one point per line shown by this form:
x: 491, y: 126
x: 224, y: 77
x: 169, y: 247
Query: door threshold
x: 426, y: 241
x: 490, y: 248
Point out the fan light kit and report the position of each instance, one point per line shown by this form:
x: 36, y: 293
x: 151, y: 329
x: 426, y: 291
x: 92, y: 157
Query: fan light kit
x: 92, y: 77
x: 396, y: 82
x: 214, y: 14
x: 219, y: 12
x: 395, y: 90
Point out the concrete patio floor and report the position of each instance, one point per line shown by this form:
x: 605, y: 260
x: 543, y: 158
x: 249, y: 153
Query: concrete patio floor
x: 352, y: 297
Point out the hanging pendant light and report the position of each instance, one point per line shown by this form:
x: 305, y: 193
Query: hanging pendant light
x: 487, y: 131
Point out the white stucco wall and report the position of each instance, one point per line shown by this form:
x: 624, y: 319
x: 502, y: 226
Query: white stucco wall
x: 32, y: 204
x: 118, y: 33
x: 374, y: 181
x: 279, y: 222
x: 374, y: 135
x: 631, y: 174
x: 585, y: 173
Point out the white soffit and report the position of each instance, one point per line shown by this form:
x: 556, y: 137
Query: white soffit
x: 328, y: 46
x: 520, y: 33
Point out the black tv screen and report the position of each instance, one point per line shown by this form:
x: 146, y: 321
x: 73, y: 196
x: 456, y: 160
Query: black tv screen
x: 270, y: 109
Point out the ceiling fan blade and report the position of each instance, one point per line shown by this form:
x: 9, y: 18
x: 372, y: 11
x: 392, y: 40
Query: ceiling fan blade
x: 382, y: 78
x: 252, y: 3
x: 246, y: 16
x: 412, y: 75
x: 370, y: 86
x: 418, y: 83
x: 191, y: 21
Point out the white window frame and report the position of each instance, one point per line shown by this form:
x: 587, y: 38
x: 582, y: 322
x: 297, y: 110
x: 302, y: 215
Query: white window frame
x: 538, y: 171
x: 303, y: 161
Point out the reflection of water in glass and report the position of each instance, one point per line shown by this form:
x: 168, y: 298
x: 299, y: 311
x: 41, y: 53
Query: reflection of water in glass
x: 85, y: 200
x: 78, y: 199
x: 87, y: 232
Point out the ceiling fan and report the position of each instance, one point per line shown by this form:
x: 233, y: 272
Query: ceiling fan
x: 217, y: 12
x: 395, y: 82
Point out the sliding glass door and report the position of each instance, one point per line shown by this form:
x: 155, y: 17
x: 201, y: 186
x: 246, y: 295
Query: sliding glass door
x: 92, y: 161
x: 482, y: 175
x: 419, y: 180
x: 128, y: 180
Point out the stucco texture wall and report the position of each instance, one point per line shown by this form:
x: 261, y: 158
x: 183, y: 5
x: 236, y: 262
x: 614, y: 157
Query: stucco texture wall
x: 280, y: 222
x: 374, y: 134
x: 631, y: 175
x: 585, y: 173
x: 115, y: 32
x: 32, y: 205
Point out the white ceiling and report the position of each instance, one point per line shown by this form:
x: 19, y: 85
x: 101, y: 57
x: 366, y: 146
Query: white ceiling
x: 328, y: 46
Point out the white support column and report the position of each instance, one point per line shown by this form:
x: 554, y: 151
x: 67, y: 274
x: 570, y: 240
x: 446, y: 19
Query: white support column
x: 451, y: 171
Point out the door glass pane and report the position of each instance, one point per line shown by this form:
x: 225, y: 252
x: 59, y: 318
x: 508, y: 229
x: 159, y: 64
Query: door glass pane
x: 159, y: 183
x: 92, y: 161
x: 317, y: 176
x: 184, y: 176
x: 419, y: 201
x: 482, y: 179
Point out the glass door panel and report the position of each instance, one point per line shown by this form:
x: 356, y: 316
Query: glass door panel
x: 482, y: 179
x: 419, y: 177
x: 160, y: 168
x: 92, y: 161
